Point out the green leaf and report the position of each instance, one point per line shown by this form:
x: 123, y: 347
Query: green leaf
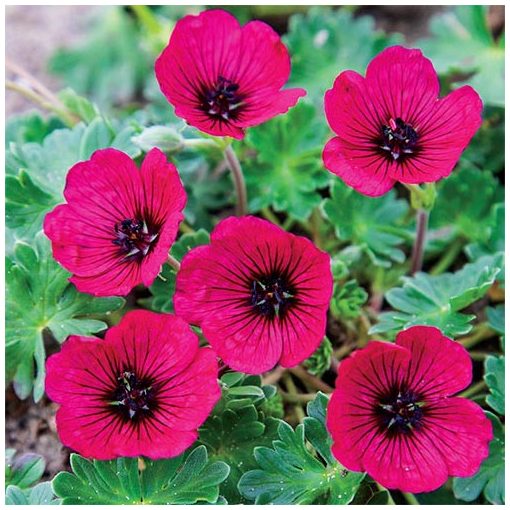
x: 347, y: 300
x: 41, y: 494
x: 78, y: 105
x: 112, y: 66
x: 462, y: 44
x: 495, y: 379
x: 494, y: 239
x: 24, y: 470
x: 457, y: 208
x: 373, y: 224
x: 29, y: 127
x: 238, y: 424
x: 437, y: 300
x: 287, y: 170
x: 26, y: 204
x: 37, y: 171
x: 163, y: 288
x: 496, y: 317
x: 320, y: 360
x: 491, y: 477
x: 38, y: 298
x: 289, y: 473
x: 183, y: 480
x: 321, y: 44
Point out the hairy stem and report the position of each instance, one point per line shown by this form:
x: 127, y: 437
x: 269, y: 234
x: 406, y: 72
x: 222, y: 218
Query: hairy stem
x: 480, y: 333
x: 410, y: 498
x: 310, y: 379
x: 292, y: 396
x: 473, y: 390
x: 422, y: 217
x: 173, y: 263
x: 238, y: 177
x: 448, y: 257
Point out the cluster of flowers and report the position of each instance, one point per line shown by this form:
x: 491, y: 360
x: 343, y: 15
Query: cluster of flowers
x: 259, y: 294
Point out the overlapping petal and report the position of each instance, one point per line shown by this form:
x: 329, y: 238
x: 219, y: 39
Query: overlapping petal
x: 212, y: 46
x: 158, y: 349
x: 401, y: 85
x: 102, y: 193
x: 392, y: 413
x: 216, y: 286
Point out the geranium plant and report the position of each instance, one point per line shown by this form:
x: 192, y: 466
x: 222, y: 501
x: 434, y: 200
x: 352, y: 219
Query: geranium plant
x: 222, y: 285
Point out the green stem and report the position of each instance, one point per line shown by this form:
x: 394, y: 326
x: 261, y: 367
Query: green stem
x: 410, y: 498
x: 288, y: 223
x: 36, y: 98
x: 473, y: 390
x: 296, y: 398
x: 185, y: 228
x: 238, y: 177
x: 173, y: 263
x: 480, y: 333
x: 422, y: 218
x: 449, y: 256
x: 478, y: 355
x: 270, y: 215
x: 391, y: 501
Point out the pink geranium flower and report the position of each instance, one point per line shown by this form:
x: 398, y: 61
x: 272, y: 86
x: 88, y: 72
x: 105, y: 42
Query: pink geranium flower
x: 259, y: 294
x: 119, y: 222
x: 393, y: 415
x: 143, y: 390
x: 392, y: 127
x: 221, y: 77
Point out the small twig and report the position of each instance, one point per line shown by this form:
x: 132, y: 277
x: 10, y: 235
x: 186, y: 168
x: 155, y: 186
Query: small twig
x: 185, y: 228
x: 313, y: 381
x: 410, y: 498
x: 298, y: 398
x: 448, y: 257
x: 173, y: 263
x: 480, y: 333
x: 239, y: 184
x: 474, y: 389
x: 274, y: 376
x: 422, y: 218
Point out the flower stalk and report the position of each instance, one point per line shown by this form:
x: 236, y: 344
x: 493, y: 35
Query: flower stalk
x: 238, y: 177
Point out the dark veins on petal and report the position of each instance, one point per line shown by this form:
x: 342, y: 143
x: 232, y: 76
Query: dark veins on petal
x: 222, y: 101
x: 398, y: 140
x: 134, y: 398
x: 134, y: 237
x: 400, y: 411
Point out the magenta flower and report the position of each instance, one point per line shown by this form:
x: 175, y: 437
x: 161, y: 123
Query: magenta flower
x: 392, y: 127
x: 259, y: 294
x: 143, y: 390
x: 393, y: 415
x: 221, y: 77
x: 119, y: 222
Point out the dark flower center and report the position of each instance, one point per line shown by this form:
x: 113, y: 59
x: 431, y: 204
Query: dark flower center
x: 134, y: 237
x: 271, y: 296
x: 398, y: 138
x: 223, y: 100
x: 134, y: 397
x: 400, y: 412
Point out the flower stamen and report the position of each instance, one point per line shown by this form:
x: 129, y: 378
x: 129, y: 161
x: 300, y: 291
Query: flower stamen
x: 398, y: 138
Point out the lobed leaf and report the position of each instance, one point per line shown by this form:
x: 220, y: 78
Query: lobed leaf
x: 184, y: 480
x: 38, y: 298
x: 372, y: 224
x: 289, y: 473
x: 462, y: 45
x: 438, y: 300
x: 491, y: 477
